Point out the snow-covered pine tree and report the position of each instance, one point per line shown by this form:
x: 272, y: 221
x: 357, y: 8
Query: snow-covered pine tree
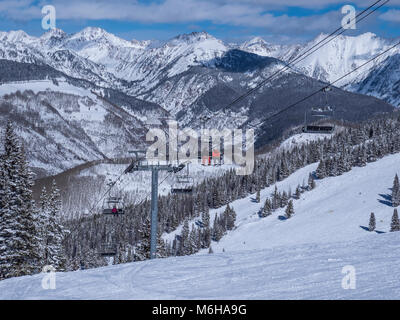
x: 230, y: 217
x: 142, y: 250
x: 206, y: 233
x: 267, y: 209
x: 395, y: 224
x: 284, y: 199
x: 193, y: 248
x: 297, y: 193
x: 54, y: 232
x: 311, y: 182
x: 184, y: 248
x: 20, y: 249
x: 372, y: 222
x: 396, y: 192
x: 275, y: 199
x: 289, y: 209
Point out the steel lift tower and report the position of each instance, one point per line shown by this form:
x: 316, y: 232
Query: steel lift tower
x: 140, y: 164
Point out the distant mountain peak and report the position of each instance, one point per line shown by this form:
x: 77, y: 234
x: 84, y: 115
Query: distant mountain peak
x: 56, y: 33
x: 194, y: 37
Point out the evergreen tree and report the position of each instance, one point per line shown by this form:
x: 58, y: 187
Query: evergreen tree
x: 267, y: 209
x: 298, y: 192
x: 275, y: 199
x: 206, y: 234
x: 230, y: 215
x: 185, y: 241
x: 395, y: 225
x: 311, y: 182
x: 20, y: 243
x: 258, y: 197
x: 54, y: 231
x: 396, y: 192
x: 284, y: 199
x: 372, y: 222
x: 142, y: 250
x: 289, y: 209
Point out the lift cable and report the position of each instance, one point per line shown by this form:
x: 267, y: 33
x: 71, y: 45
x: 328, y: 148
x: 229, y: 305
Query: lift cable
x: 306, y: 53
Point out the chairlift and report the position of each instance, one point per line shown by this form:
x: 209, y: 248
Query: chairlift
x: 113, y: 206
x: 183, y: 183
x: 322, y: 112
x: 108, y: 249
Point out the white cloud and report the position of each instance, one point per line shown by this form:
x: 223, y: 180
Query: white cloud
x: 391, y: 15
x: 244, y: 13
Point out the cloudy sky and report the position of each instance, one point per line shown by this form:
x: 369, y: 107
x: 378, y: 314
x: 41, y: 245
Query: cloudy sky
x: 283, y: 21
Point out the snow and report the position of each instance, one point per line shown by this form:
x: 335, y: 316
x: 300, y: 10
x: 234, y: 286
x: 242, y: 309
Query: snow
x: 335, y: 211
x: 303, y: 138
x: 296, y: 272
x: 265, y: 258
x: 44, y: 85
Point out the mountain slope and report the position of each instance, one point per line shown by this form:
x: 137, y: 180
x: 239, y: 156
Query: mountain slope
x: 66, y: 121
x: 268, y: 258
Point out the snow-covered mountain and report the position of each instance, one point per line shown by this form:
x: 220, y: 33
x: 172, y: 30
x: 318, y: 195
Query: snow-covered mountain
x: 337, y: 58
x: 64, y: 121
x: 196, y: 74
x: 137, y: 67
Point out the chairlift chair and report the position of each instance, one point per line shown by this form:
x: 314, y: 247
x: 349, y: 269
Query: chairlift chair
x: 323, y: 112
x: 183, y: 183
x: 113, y: 206
x: 108, y: 249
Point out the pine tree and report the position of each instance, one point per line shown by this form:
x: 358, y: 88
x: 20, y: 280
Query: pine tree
x: 267, y: 209
x: 284, y: 199
x: 230, y: 215
x: 142, y: 250
x: 258, y: 197
x: 275, y: 199
x: 185, y: 241
x: 289, y: 209
x: 311, y: 182
x: 206, y: 234
x: 54, y: 232
x: 396, y: 192
x: 321, y: 170
x: 372, y: 222
x: 20, y: 243
x: 298, y: 192
x: 395, y: 225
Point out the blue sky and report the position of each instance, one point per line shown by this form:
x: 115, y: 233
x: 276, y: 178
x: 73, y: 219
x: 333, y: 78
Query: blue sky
x: 284, y: 21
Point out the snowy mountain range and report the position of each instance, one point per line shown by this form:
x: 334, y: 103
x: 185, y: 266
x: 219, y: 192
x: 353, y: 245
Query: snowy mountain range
x: 187, y: 77
x: 138, y: 67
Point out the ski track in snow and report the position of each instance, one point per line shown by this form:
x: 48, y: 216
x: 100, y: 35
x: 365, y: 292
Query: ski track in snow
x: 312, y: 271
x: 264, y: 258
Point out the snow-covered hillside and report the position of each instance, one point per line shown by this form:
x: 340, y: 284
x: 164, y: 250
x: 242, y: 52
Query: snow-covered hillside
x: 311, y: 271
x: 266, y: 258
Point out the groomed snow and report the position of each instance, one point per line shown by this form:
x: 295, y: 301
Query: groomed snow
x: 265, y: 258
x: 296, y: 272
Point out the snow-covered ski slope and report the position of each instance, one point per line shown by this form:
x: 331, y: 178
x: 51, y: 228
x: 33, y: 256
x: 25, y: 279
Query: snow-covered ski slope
x: 311, y: 271
x: 266, y: 258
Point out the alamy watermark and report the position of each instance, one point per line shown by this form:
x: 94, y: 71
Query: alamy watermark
x: 211, y: 146
x: 49, y: 278
x: 49, y: 19
x: 349, y: 280
x: 349, y: 20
